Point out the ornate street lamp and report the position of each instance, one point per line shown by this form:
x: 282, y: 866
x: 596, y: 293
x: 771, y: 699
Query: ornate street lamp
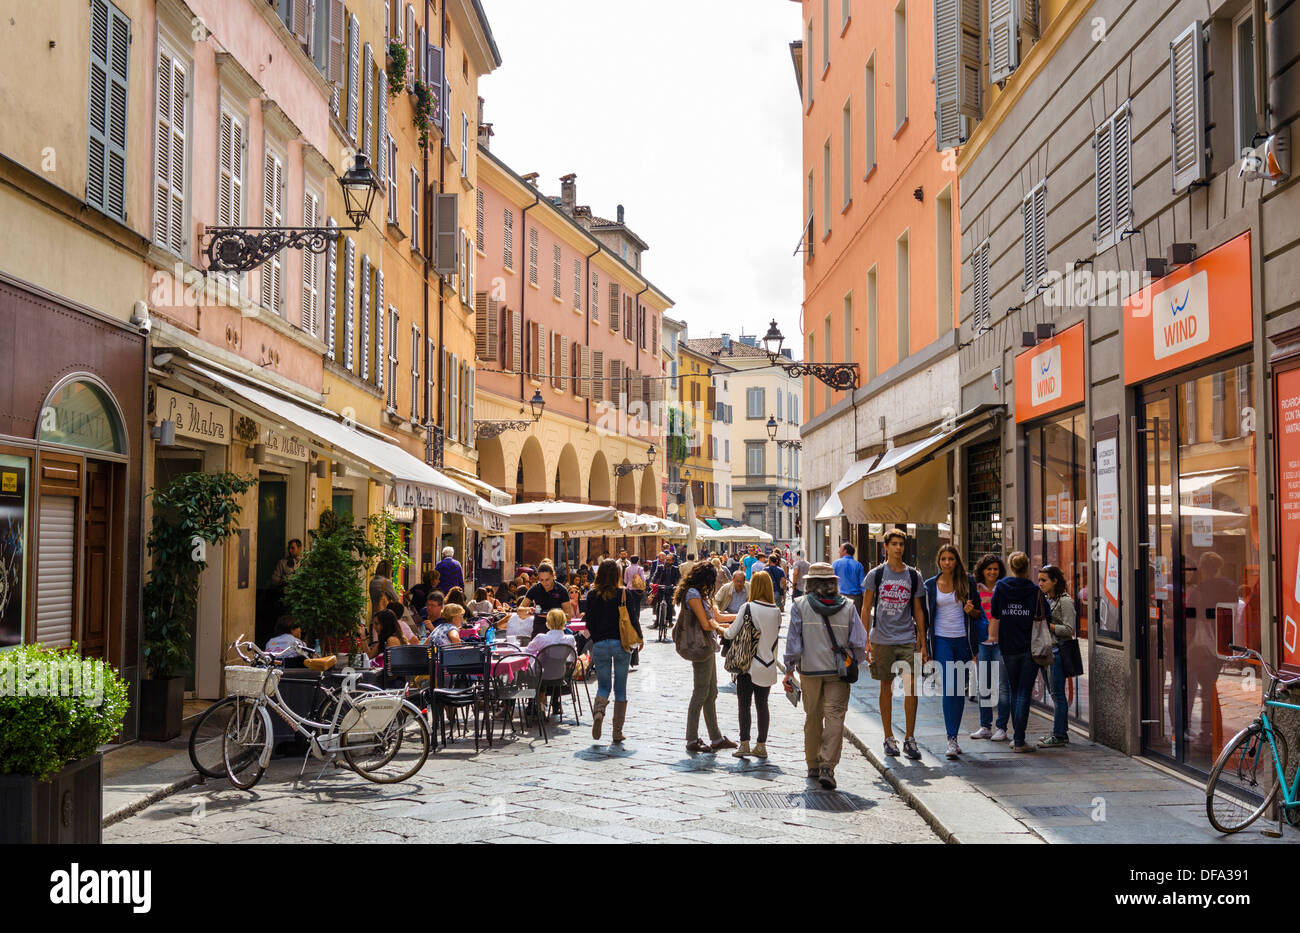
x: 771, y: 427
x: 623, y: 469
x: 839, y: 376
x: 497, y: 428
x: 242, y: 249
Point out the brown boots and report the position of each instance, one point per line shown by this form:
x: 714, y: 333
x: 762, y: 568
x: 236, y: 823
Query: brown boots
x: 620, y: 711
x: 598, y: 716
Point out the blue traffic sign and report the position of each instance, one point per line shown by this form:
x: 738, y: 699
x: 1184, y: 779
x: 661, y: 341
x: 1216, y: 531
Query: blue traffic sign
x: 790, y: 498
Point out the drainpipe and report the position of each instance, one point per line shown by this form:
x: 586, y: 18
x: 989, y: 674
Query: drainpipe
x: 523, y: 286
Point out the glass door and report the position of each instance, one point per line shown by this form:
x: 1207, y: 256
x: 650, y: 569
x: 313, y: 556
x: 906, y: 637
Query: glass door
x: 1161, y: 715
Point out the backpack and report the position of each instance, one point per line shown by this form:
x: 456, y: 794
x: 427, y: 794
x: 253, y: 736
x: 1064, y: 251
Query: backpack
x: 879, y: 574
x: 744, y: 645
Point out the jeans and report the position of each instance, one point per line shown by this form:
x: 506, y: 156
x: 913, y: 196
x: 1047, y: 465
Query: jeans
x: 990, y: 660
x: 704, y: 694
x: 745, y: 689
x: 1054, y: 680
x: 952, y: 654
x: 603, y: 655
x: 1022, y: 672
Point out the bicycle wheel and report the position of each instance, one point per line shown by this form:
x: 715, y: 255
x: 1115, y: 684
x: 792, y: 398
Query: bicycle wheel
x: 247, y: 734
x: 1243, y: 781
x: 205, y: 738
x: 394, y: 753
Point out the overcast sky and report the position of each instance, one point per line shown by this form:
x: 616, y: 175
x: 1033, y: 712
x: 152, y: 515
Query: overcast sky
x: 684, y: 111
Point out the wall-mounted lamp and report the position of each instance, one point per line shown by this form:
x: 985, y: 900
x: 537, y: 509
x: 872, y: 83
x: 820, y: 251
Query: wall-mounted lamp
x: 1045, y: 331
x: 164, y: 432
x: 259, y: 454
x: 1027, y: 339
x: 1156, y: 267
x: 321, y: 469
x: 1180, y: 254
x: 340, y: 470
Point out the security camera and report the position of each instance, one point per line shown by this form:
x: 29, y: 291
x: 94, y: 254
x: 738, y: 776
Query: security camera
x: 1251, y: 164
x: 140, y: 318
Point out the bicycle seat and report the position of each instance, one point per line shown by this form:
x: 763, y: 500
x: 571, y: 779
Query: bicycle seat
x: 319, y: 664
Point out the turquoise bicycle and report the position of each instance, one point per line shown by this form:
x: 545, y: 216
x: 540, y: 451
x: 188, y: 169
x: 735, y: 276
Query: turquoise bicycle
x: 1252, y: 767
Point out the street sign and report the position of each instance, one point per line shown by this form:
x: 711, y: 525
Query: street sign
x: 790, y: 498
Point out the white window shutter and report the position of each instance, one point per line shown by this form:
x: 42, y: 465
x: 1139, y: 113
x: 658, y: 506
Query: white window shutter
x: 349, y: 292
x: 1123, y: 172
x: 380, y: 359
x: 1004, y: 45
x: 310, y: 269
x: 110, y: 53
x: 508, y: 239
x: 364, y: 142
x: 1187, y: 106
x: 381, y: 135
x: 354, y: 74
x: 1029, y: 25
x: 170, y: 155
x: 516, y: 341
x: 541, y: 371
x: 1103, y: 143
x: 335, y: 68
x: 595, y: 297
x: 331, y: 297
x: 273, y: 216
x: 230, y: 170
x: 363, y: 315
x: 584, y: 372
x: 958, y: 74
x: 614, y: 306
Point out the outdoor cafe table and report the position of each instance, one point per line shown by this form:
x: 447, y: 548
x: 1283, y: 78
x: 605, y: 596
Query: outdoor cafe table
x: 509, y: 665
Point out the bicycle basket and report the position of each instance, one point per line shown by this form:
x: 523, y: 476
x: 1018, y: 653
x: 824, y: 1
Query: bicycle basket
x: 244, y: 681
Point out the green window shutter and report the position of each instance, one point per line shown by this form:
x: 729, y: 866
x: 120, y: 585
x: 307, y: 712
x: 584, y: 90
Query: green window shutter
x: 110, y: 43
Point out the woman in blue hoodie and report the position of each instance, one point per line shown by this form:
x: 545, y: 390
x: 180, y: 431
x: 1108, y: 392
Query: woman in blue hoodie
x: 953, y: 632
x: 1016, y: 601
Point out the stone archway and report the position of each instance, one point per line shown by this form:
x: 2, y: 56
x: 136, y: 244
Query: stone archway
x: 650, y: 499
x: 598, y: 491
x: 492, y: 462
x: 531, y: 479
x: 568, y: 476
x: 625, y: 492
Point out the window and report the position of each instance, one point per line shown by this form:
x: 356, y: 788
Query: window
x: 1114, y: 159
x: 1245, y: 78
x: 363, y: 315
x: 464, y: 145
x: 273, y: 186
x: 230, y: 170
x: 846, y: 354
x: 415, y: 373
x: 331, y: 293
x: 726, y: 450
x: 415, y: 209
x: 826, y: 188
x: 943, y: 261
x: 780, y: 414
x: 812, y: 352
x: 846, y: 142
x: 430, y: 355
x: 808, y: 57
x: 1187, y: 98
x: 364, y: 141
x: 556, y: 261
x: 958, y: 73
x: 453, y: 406
x: 311, y: 262
x: 577, y: 285
x: 900, y: 64
x: 845, y: 15
x: 1033, y: 210
x: 348, y: 356
x: 381, y: 324
x: 811, y: 207
x: 110, y: 45
x: 478, y: 214
x: 904, y: 273
x: 826, y: 352
x: 508, y: 240
x: 532, y: 255
x: 614, y: 306
x: 755, y: 459
x: 392, y: 357
x: 980, y: 275
x: 392, y: 181
x: 595, y: 297
x: 780, y: 466
x: 354, y: 74
x: 826, y: 35
x: 171, y: 151
x: 755, y: 403
x: 869, y: 117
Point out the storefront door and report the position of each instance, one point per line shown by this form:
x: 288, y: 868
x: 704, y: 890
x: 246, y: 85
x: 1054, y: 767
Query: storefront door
x: 1201, y: 580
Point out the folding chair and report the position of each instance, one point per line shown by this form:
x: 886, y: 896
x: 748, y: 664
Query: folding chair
x: 471, y: 665
x: 524, y: 689
x: 556, y: 673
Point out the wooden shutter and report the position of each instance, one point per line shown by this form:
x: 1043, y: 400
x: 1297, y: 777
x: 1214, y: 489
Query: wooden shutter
x: 564, y: 364
x: 381, y: 134
x: 595, y: 297
x: 446, y: 259
x: 532, y: 255
x: 541, y: 372
x: 613, y: 306
x: 56, y: 584
x: 508, y: 239
x: 1123, y: 166
x: 584, y: 372
x: 627, y: 316
x: 1004, y: 48
x: 169, y: 157
x: 310, y: 268
x: 487, y: 320
x: 1187, y: 102
x: 354, y: 74
x: 617, y: 383
x: 337, y: 15
x: 420, y: 47
x: 1028, y: 13
x: 110, y: 42
x: 381, y: 363
x: 654, y: 337
x: 516, y: 341
x: 410, y: 45
x: 273, y: 216
x: 453, y: 403
x: 980, y: 261
x: 577, y: 285
x: 1034, y: 211
x: 557, y: 259
x: 478, y: 216
x: 1103, y: 144
x: 298, y: 22
x: 363, y: 315
x: 958, y: 74
x: 597, y: 375
x: 365, y: 141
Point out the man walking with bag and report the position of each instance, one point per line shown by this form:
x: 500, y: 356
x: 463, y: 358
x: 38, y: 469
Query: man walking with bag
x: 826, y: 642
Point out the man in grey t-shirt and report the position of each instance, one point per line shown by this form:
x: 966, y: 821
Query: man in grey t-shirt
x: 799, y: 570
x: 893, y: 591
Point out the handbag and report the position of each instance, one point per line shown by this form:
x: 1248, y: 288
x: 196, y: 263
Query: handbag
x: 1071, y: 658
x: 691, y: 641
x: 744, y: 645
x: 627, y: 632
x: 850, y: 672
x: 1041, y: 639
x: 638, y: 582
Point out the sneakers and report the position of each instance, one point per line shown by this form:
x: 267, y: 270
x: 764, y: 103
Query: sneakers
x: 999, y: 735
x: 910, y: 749
x: 742, y: 752
x: 814, y: 773
x: 953, y: 751
x: 983, y: 732
x: 1053, y: 741
x: 891, y: 746
x: 826, y: 777
x: 1023, y: 748
x: 760, y: 750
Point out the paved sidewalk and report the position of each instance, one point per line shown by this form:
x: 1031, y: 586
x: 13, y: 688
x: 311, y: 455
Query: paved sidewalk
x: 1084, y: 792
x: 142, y: 773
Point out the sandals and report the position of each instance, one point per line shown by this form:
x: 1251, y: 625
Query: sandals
x: 695, y: 745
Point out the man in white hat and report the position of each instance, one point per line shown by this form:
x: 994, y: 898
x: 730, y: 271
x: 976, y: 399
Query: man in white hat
x: 825, y: 633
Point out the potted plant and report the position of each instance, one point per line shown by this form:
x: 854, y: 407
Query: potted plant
x: 327, y: 593
x: 56, y: 709
x: 196, y: 510
x: 424, y: 107
x: 396, y: 68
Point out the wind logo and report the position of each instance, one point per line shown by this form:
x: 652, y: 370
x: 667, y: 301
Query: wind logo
x: 105, y: 886
x: 1047, y: 383
x: 1181, y: 316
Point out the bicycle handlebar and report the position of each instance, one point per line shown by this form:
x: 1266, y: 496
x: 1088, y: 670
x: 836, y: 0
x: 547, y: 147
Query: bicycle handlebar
x: 1244, y: 654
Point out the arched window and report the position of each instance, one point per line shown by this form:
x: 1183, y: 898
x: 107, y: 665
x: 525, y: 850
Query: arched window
x: 82, y: 414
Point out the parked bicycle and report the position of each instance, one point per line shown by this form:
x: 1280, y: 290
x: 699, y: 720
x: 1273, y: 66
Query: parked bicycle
x: 380, y: 735
x: 1251, y: 768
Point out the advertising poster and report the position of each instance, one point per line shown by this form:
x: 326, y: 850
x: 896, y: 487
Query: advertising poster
x: 1108, y: 571
x: 13, y: 548
x: 1202, y: 518
x: 1287, y: 385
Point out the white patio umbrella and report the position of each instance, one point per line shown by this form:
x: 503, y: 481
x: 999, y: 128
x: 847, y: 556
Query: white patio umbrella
x: 692, y: 530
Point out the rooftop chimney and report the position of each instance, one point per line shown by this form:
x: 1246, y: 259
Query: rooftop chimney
x: 531, y: 178
x: 620, y: 213
x: 485, y: 135
x: 569, y: 193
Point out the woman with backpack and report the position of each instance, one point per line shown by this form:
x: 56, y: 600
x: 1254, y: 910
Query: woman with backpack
x: 953, y: 634
x: 1017, y: 602
x: 753, y: 636
x: 695, y: 612
x: 1060, y: 620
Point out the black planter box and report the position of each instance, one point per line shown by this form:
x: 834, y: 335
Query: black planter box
x: 66, y: 809
x: 162, y: 703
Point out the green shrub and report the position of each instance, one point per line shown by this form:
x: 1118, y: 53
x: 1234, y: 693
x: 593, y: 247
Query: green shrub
x: 43, y: 729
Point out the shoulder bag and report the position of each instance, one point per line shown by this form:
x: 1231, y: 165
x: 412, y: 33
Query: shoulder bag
x: 627, y: 633
x: 1041, y: 639
x: 744, y: 645
x: 849, y: 673
x: 691, y: 641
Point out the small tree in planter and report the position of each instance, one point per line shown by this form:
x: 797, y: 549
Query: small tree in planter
x: 196, y: 510
x: 56, y: 708
x: 327, y: 593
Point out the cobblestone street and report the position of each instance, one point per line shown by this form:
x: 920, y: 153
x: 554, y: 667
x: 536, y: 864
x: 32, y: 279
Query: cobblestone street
x: 572, y: 790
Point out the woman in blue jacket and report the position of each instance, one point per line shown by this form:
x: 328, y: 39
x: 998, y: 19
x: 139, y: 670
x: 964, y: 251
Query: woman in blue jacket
x: 1016, y: 603
x: 953, y: 633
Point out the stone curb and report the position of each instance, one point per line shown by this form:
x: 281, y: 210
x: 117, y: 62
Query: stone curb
x: 135, y: 806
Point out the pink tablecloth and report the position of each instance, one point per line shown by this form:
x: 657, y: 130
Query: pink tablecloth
x: 509, y: 665
x: 577, y: 625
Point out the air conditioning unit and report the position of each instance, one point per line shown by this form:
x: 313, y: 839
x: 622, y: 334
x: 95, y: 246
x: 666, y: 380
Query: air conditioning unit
x: 1269, y: 161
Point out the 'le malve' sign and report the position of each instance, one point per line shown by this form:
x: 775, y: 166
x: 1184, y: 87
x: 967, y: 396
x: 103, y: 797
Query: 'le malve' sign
x: 194, y: 417
x: 283, y: 444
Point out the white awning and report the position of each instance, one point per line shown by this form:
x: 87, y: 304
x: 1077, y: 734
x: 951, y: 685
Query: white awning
x: 417, y: 484
x: 831, y: 510
x: 553, y: 517
x: 485, y: 490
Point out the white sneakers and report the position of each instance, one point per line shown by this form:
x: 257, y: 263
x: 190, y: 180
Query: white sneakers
x: 983, y: 732
x: 999, y: 735
x: 953, y: 749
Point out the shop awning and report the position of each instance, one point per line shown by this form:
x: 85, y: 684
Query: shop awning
x: 416, y: 483
x: 713, y: 523
x: 485, y: 490
x: 831, y: 510
x: 908, y: 483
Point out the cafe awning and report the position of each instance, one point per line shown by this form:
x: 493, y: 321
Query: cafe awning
x: 555, y: 517
x: 417, y: 484
x: 908, y: 483
x: 485, y: 490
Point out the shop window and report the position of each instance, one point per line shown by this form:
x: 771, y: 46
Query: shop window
x: 80, y: 414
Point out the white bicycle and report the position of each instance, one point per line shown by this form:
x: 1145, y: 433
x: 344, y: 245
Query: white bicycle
x: 380, y: 735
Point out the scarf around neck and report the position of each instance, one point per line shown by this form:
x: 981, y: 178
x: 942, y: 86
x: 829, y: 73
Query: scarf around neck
x: 823, y: 608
